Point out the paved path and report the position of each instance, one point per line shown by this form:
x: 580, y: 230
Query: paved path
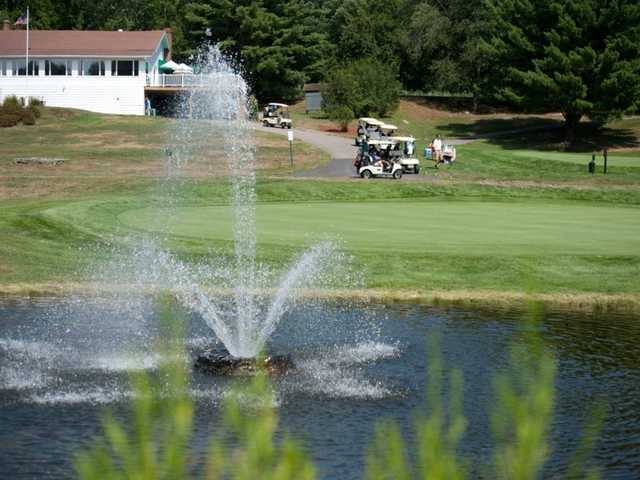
x: 341, y: 149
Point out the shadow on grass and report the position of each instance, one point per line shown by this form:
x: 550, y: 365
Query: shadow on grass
x: 500, y: 127
x: 545, y: 134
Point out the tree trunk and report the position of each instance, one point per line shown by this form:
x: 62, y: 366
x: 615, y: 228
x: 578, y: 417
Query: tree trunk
x: 571, y: 120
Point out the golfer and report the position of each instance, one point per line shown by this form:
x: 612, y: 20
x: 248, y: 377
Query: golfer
x: 437, y: 150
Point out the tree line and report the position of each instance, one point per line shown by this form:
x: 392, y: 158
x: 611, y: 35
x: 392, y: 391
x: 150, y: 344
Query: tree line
x: 579, y: 57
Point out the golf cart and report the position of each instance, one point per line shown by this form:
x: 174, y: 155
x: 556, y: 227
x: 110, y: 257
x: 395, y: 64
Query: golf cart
x: 366, y: 126
x: 375, y: 161
x: 387, y: 130
x: 403, y: 153
x: 276, y: 115
x: 449, y: 153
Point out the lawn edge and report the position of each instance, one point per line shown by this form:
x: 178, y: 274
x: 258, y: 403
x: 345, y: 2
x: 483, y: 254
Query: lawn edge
x: 580, y: 301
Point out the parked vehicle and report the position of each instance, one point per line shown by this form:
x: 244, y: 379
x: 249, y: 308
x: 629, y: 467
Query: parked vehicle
x: 375, y: 160
x: 366, y: 127
x: 276, y: 115
x: 387, y: 130
x: 403, y: 152
x: 449, y: 153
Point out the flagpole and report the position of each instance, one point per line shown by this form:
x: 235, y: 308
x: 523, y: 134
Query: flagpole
x: 27, y: 51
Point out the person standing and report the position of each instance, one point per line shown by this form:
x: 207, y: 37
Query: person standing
x: 437, y: 150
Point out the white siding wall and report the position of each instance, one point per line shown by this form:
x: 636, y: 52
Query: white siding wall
x: 107, y: 94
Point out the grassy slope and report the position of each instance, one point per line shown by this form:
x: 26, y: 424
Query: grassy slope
x: 442, y: 234
x: 103, y: 149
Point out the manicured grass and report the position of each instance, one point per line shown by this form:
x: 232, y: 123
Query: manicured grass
x: 453, y: 227
x: 422, y: 237
x: 507, y: 215
x: 490, y: 160
x: 614, y: 159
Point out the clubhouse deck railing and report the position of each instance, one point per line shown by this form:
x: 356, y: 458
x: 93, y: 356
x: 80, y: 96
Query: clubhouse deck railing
x: 186, y: 80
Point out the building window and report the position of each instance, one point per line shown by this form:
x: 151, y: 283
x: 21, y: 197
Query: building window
x: 124, y: 68
x: 57, y: 67
x: 19, y: 68
x: 3, y: 68
x: 34, y: 67
x: 92, y: 67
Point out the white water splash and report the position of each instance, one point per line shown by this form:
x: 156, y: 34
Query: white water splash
x: 243, y: 313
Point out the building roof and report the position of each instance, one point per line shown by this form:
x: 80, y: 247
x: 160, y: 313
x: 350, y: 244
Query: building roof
x: 72, y: 43
x: 311, y: 87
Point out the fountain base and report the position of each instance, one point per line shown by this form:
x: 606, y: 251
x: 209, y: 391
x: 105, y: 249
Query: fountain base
x: 228, y: 365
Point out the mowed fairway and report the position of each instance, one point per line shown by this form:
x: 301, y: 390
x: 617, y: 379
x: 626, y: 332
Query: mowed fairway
x: 417, y: 227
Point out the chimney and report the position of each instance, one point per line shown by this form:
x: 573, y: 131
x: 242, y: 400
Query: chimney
x: 167, y: 51
x: 6, y: 25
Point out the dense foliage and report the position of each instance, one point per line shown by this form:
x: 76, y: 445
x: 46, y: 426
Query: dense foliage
x: 13, y: 112
x: 360, y: 88
x: 580, y: 57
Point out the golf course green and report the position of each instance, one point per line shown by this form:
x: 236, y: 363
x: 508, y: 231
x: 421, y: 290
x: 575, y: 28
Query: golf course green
x: 410, y: 227
x: 512, y: 216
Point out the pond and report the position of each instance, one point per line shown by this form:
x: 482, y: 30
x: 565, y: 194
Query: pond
x: 64, y: 361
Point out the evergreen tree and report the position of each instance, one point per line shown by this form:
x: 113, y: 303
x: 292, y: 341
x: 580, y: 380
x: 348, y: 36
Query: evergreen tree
x: 278, y: 42
x: 579, y: 57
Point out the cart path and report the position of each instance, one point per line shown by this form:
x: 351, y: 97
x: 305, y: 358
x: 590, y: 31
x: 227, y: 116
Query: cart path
x: 343, y: 150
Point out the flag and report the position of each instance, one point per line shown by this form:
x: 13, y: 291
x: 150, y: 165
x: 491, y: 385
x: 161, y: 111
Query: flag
x: 22, y: 20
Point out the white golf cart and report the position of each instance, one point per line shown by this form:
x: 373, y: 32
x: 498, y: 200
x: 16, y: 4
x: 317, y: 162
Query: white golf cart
x: 403, y: 153
x: 374, y: 161
x: 449, y: 153
x: 366, y: 127
x: 387, y: 130
x: 276, y: 115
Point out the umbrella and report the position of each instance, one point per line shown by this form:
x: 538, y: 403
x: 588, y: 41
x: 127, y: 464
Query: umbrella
x: 183, y: 68
x: 169, y: 66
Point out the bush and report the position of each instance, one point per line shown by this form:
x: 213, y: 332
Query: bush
x: 366, y: 87
x: 12, y: 106
x: 37, y: 113
x: 8, y: 119
x: 35, y: 102
x: 342, y: 115
x: 27, y: 117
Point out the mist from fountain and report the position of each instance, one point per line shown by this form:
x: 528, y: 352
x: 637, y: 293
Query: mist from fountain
x: 243, y: 321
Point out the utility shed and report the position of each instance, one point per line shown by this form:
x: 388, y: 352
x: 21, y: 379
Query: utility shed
x: 312, y: 97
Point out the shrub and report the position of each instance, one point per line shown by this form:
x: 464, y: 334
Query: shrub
x: 342, y: 115
x: 8, y: 119
x: 27, y: 117
x: 12, y: 106
x: 35, y: 110
x: 366, y: 87
x: 35, y: 102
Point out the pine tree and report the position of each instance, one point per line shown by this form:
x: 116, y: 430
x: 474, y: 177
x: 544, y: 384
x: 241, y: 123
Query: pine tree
x: 579, y: 57
x: 279, y: 43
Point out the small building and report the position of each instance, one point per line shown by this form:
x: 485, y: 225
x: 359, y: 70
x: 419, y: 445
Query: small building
x: 99, y: 71
x: 312, y: 97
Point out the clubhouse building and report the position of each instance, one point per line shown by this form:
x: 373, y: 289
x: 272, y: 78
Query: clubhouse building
x: 101, y: 71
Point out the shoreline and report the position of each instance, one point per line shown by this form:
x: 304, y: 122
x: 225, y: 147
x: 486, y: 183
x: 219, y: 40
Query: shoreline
x: 579, y: 301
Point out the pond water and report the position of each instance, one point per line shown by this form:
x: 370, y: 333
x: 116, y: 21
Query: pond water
x: 63, y: 361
